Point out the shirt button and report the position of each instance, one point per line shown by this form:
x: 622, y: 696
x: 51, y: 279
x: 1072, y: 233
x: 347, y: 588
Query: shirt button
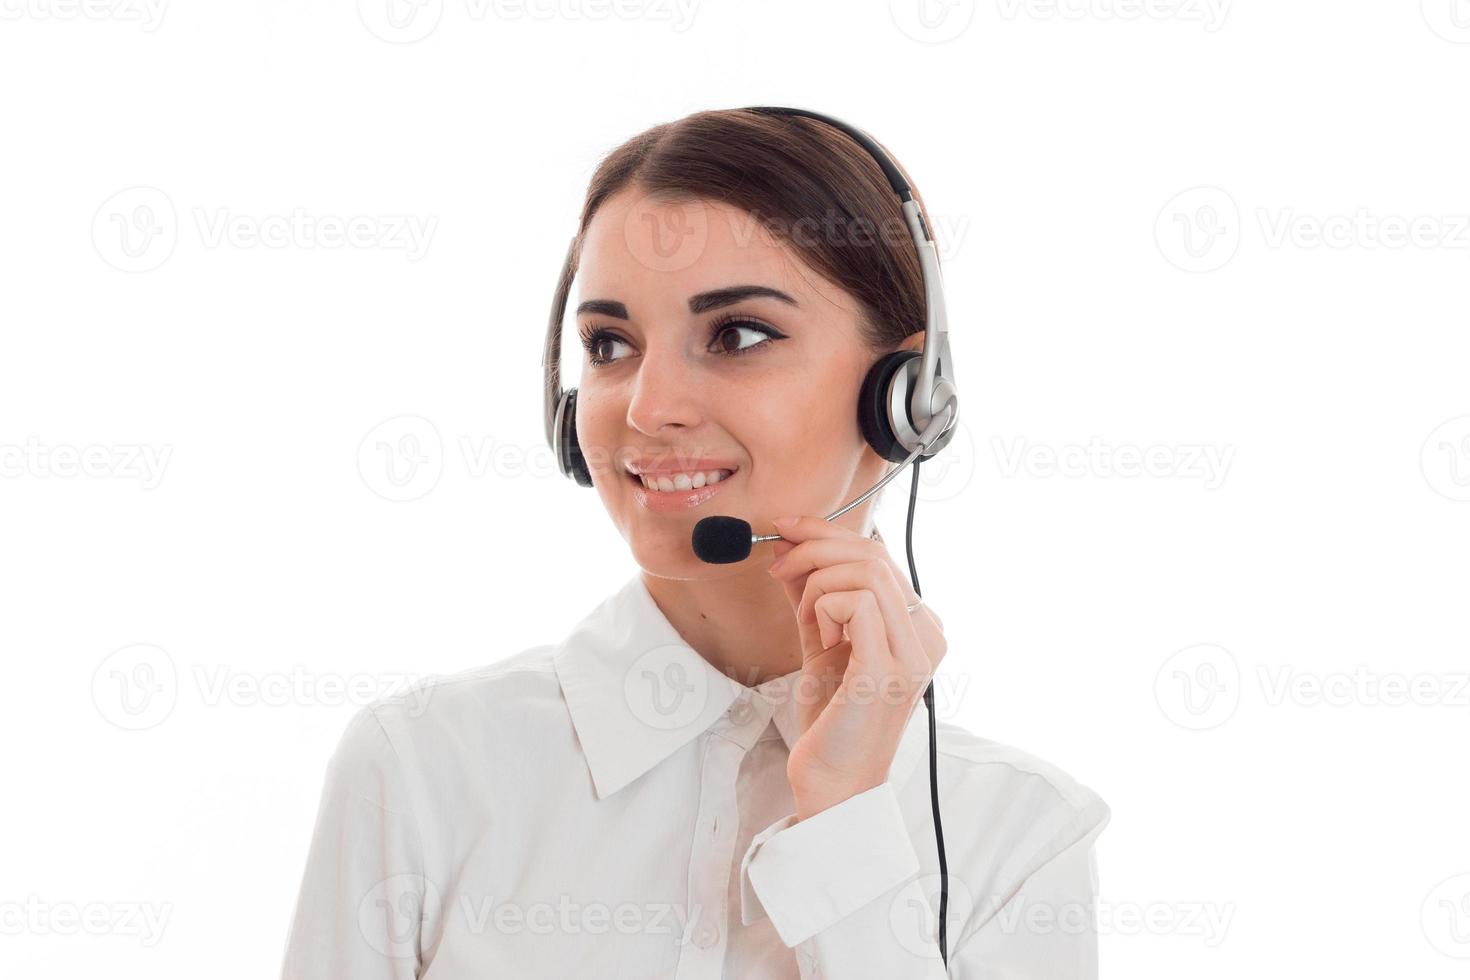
x: 742, y: 712
x: 708, y: 936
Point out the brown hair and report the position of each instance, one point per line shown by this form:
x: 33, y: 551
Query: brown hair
x: 789, y: 173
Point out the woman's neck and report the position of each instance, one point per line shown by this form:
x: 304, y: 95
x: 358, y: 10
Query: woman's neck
x: 742, y: 625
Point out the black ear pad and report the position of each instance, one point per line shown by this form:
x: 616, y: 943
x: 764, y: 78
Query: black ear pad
x: 569, y: 451
x: 873, y: 406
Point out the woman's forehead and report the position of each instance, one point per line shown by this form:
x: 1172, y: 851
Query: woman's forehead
x: 667, y: 251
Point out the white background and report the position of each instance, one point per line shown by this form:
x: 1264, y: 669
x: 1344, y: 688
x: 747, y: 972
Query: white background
x: 1235, y: 232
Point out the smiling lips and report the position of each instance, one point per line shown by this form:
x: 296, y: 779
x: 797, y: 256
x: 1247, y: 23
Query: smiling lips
x: 674, y: 491
x: 682, y: 480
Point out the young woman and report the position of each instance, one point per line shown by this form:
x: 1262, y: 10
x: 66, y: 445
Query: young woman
x: 719, y: 771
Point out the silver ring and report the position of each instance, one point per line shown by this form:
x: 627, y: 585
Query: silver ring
x: 915, y: 605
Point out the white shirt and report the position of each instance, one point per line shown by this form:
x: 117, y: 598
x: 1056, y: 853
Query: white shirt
x: 612, y: 806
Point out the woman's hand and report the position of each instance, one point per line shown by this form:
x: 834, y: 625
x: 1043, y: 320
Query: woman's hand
x: 865, y: 660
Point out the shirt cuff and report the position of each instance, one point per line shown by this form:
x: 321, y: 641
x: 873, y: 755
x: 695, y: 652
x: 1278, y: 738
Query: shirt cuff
x: 808, y: 875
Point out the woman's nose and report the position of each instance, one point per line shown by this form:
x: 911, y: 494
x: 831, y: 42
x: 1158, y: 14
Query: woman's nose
x: 664, y: 391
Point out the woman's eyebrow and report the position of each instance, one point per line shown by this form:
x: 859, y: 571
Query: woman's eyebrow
x: 698, y: 303
x: 605, y: 307
x: 716, y: 298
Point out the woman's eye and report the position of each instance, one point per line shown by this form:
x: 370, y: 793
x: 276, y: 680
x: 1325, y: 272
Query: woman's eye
x: 594, y: 342
x: 600, y: 338
x: 733, y: 328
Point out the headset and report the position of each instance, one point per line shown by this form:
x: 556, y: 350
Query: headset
x: 900, y: 397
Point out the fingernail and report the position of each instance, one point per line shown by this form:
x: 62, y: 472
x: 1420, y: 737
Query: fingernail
x: 784, y: 521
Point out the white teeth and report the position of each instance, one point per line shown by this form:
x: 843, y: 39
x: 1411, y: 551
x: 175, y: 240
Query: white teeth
x: 683, y: 481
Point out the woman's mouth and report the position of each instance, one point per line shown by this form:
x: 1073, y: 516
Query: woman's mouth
x: 665, y: 492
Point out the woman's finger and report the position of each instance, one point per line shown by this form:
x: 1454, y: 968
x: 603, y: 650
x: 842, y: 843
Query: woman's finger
x: 797, y: 561
x: 811, y: 641
x: 815, y: 552
x: 902, y: 638
x: 825, y: 552
x: 813, y: 543
x: 808, y: 527
x: 859, y: 614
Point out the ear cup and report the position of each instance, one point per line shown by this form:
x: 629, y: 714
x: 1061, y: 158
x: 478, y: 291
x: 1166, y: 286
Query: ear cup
x: 873, y: 405
x: 569, y: 457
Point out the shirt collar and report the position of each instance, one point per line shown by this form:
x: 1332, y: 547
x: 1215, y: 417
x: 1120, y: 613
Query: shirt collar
x: 637, y: 693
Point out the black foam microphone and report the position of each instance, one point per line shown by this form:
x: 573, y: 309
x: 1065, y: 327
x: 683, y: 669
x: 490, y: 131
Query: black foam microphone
x: 721, y: 540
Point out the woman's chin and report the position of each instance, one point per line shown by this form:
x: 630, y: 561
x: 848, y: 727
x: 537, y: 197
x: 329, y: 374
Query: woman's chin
x: 668, y: 552
x: 664, y: 547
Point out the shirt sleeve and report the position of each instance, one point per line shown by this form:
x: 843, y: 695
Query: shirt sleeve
x: 363, y: 894
x: 841, y: 890
x: 1047, y: 927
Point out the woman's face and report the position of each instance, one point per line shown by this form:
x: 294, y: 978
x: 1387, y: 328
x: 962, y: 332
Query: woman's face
x: 722, y: 351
